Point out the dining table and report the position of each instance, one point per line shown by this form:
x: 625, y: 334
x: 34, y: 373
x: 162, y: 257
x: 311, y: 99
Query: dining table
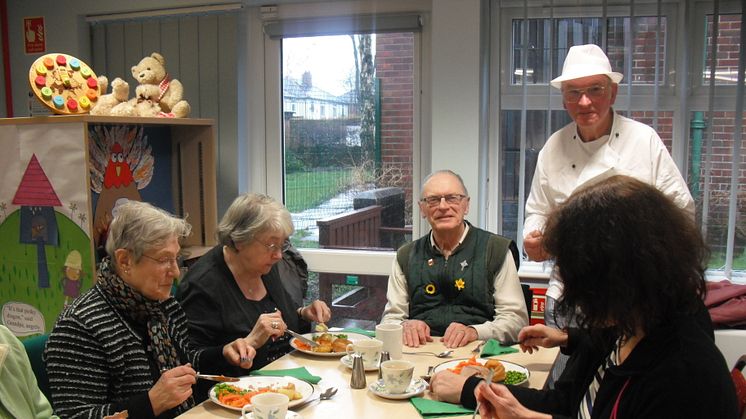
x: 363, y: 403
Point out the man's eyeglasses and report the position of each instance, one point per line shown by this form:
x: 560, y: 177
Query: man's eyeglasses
x: 164, y: 262
x: 272, y: 248
x: 593, y: 92
x: 434, y: 201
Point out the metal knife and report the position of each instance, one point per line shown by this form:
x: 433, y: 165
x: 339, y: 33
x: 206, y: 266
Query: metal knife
x: 221, y: 378
x: 302, y: 338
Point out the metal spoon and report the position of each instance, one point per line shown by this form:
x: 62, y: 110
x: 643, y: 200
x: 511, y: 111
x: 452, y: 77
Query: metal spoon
x: 444, y: 354
x: 324, y: 395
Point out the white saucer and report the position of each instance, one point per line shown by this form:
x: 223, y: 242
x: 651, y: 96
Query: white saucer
x: 416, y: 387
x: 290, y: 415
x: 347, y: 361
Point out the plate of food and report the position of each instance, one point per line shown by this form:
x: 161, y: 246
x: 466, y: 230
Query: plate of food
x: 330, y: 344
x: 235, y: 395
x: 505, y: 372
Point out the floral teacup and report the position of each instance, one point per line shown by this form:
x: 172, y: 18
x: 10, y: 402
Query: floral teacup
x: 267, y: 406
x: 396, y: 375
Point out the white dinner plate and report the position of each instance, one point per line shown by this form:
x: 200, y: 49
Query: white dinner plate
x: 351, y: 336
x: 416, y: 387
x: 509, y: 366
x: 290, y: 415
x: 347, y: 361
x: 256, y: 382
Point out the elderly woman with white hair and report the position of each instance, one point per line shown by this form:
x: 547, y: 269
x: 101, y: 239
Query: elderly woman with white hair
x: 124, y: 344
x: 235, y: 288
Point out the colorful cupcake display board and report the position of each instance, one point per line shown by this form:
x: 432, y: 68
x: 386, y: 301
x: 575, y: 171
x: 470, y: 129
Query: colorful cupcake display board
x: 64, y: 84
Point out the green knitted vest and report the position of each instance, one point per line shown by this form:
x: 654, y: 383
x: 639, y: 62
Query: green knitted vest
x: 458, y: 289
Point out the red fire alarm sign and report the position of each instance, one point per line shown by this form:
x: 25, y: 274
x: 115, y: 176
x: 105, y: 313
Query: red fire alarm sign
x: 34, y: 35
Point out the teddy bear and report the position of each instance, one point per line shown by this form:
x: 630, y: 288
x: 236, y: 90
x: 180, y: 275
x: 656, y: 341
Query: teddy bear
x: 156, y: 89
x: 114, y: 103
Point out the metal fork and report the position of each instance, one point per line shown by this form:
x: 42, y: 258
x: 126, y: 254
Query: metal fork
x: 478, y: 348
x: 487, y: 380
x: 324, y: 395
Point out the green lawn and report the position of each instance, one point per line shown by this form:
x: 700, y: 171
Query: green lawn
x: 717, y: 261
x: 306, y: 190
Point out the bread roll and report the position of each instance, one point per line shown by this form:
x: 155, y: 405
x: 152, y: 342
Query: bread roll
x: 499, y: 369
x: 340, y: 345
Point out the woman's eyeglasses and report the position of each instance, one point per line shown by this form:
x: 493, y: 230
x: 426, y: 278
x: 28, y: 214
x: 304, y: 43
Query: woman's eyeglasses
x: 164, y: 262
x: 272, y: 248
x: 593, y: 92
x: 434, y: 201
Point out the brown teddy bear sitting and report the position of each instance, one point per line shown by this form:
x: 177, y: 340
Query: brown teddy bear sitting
x: 157, y: 88
x: 114, y: 103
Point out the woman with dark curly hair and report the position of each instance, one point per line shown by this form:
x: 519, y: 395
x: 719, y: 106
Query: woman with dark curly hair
x: 632, y: 264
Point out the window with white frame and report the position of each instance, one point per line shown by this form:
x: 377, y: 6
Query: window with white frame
x: 672, y: 82
x: 347, y: 170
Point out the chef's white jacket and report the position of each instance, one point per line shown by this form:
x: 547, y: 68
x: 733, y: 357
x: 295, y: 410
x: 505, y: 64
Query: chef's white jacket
x: 566, y: 163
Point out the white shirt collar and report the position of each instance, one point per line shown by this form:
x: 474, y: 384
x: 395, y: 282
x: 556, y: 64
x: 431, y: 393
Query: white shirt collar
x: 461, y: 240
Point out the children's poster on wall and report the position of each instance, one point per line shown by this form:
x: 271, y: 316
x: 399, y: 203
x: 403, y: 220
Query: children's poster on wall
x: 34, y: 35
x: 44, y: 224
x: 59, y: 191
x: 127, y: 162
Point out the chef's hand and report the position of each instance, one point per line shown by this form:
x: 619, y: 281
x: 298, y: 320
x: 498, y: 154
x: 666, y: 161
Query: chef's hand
x: 533, y: 244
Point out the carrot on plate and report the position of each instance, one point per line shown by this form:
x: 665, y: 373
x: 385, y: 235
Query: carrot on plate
x: 471, y: 361
x: 302, y: 345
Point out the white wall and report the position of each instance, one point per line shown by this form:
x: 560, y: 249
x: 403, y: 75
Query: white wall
x: 455, y: 92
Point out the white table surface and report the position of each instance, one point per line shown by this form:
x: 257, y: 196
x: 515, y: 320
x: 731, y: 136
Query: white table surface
x: 362, y: 404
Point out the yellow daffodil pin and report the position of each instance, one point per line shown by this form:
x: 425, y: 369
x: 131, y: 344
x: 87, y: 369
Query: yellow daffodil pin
x: 460, y: 284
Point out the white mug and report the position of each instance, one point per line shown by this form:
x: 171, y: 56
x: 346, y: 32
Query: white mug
x: 391, y: 336
x: 396, y: 375
x: 369, y: 349
x: 267, y: 406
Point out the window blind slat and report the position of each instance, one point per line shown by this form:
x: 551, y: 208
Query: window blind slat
x: 293, y: 28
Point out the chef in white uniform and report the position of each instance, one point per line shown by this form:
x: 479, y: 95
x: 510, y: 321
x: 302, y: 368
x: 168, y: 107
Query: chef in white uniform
x: 598, y: 143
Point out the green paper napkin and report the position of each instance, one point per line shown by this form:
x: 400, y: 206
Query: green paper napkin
x: 493, y: 347
x: 300, y: 373
x: 358, y: 331
x: 434, y: 409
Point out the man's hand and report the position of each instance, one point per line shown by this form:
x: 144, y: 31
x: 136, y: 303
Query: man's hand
x: 458, y: 335
x: 533, y: 244
x: 531, y: 337
x: 446, y: 386
x: 416, y: 333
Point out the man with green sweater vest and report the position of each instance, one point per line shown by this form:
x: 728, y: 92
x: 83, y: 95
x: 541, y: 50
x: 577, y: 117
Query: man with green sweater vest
x: 458, y: 281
